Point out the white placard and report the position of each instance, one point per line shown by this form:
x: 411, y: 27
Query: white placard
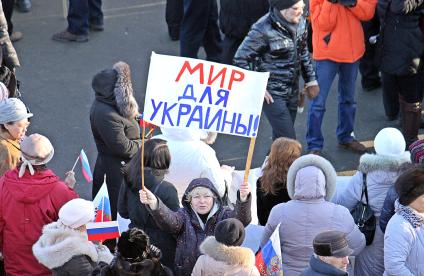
x: 197, y: 94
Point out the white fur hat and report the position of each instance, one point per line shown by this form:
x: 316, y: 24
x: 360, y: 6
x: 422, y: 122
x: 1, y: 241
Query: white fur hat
x: 77, y: 212
x: 389, y: 142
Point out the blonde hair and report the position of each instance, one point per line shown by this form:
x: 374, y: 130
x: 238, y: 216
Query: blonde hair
x: 199, y: 191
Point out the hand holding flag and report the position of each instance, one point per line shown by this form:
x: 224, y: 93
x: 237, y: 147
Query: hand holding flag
x: 85, y: 167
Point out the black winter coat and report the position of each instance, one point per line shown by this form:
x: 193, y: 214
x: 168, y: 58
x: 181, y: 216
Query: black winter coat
x: 186, y: 226
x: 403, y: 45
x: 130, y: 207
x: 273, y: 45
x: 266, y: 202
x: 121, y: 267
x: 117, y: 139
x: 388, y: 209
x: 237, y: 16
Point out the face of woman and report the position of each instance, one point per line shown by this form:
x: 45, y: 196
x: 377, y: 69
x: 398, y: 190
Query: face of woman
x: 17, y: 129
x: 418, y: 204
x: 202, y: 203
x: 294, y: 13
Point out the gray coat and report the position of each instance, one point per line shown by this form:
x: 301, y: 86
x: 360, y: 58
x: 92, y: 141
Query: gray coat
x: 404, y: 243
x: 9, y: 53
x: 382, y: 172
x: 308, y: 214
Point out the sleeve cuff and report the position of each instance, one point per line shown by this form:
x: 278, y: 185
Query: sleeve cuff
x: 311, y: 83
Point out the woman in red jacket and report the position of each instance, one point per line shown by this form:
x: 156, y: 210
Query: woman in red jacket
x: 30, y: 197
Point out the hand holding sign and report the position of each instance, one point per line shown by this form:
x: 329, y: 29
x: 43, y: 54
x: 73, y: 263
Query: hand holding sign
x: 147, y: 197
x: 244, y: 191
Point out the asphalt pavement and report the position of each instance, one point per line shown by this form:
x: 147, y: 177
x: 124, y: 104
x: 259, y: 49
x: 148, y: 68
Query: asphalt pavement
x: 56, y: 84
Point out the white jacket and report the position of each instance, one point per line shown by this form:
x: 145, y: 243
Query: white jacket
x: 192, y: 158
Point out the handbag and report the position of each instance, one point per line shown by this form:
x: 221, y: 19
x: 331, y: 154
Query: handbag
x: 363, y: 215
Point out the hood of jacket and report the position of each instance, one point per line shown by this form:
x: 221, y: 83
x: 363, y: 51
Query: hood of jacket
x: 183, y: 135
x: 231, y: 255
x: 30, y: 188
x: 199, y: 182
x: 58, y: 244
x: 311, y: 187
x: 375, y: 162
x: 114, y: 87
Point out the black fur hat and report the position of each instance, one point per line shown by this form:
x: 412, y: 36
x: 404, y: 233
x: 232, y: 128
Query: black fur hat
x: 133, y: 244
x: 230, y: 232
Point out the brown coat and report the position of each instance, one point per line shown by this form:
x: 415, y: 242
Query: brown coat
x: 9, y: 153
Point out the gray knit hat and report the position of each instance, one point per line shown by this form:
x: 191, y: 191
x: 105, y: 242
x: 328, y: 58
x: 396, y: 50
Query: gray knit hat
x: 13, y: 110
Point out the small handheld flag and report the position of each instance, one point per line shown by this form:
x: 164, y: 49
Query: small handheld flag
x: 85, y: 166
x: 102, y: 204
x: 268, y: 260
x: 100, y: 231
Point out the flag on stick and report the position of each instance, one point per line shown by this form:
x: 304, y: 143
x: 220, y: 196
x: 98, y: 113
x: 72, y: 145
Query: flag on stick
x: 100, y: 231
x: 102, y: 204
x: 85, y: 166
x: 268, y: 260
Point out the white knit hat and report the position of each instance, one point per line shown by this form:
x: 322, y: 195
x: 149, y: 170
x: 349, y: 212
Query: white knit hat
x: 77, y: 212
x: 389, y: 142
x: 36, y: 150
x: 4, y: 92
x: 13, y: 110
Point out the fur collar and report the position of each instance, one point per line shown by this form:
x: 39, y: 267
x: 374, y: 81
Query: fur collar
x: 232, y: 255
x: 58, y: 244
x: 411, y: 5
x: 374, y: 162
x: 124, y: 96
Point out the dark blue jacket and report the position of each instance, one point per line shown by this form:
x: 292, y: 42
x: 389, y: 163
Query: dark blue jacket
x: 388, y: 208
x: 403, y: 45
x: 320, y: 268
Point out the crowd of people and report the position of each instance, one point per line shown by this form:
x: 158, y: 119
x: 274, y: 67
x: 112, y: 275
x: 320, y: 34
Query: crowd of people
x: 190, y: 217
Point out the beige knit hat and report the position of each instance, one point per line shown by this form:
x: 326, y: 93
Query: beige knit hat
x: 36, y: 150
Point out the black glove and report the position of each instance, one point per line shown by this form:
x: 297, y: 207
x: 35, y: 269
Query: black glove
x: 348, y: 3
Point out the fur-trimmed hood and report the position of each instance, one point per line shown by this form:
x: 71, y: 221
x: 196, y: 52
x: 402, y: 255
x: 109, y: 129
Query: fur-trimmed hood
x: 312, y: 186
x: 114, y: 87
x: 231, y: 255
x: 375, y: 162
x: 58, y: 244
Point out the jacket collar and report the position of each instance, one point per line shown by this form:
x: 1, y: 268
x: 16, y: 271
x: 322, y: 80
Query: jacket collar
x: 374, y: 162
x: 412, y: 216
x: 58, y: 244
x: 232, y: 255
x: 324, y: 268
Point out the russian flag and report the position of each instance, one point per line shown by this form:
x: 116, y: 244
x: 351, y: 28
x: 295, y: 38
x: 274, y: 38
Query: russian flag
x: 100, y: 231
x: 145, y: 124
x: 85, y: 167
x: 268, y: 259
x: 102, y: 204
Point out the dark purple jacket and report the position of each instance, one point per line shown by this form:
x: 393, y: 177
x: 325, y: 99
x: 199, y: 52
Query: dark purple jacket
x: 186, y: 226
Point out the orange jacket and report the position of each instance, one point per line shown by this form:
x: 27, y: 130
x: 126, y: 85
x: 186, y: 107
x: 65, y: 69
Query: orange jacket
x: 337, y: 30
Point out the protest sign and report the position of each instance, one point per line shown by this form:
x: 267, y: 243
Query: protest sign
x: 197, y: 94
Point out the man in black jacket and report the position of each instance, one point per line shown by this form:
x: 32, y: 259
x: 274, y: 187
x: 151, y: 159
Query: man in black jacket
x: 277, y: 44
